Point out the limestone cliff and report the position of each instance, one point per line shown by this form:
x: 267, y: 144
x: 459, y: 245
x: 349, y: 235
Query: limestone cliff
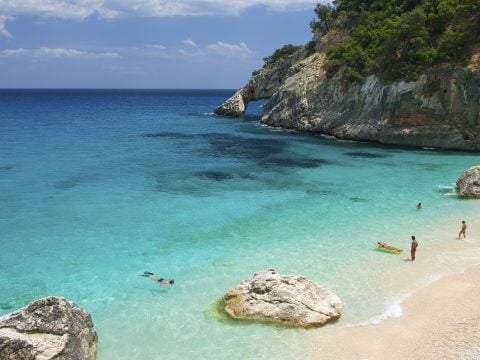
x: 441, y: 109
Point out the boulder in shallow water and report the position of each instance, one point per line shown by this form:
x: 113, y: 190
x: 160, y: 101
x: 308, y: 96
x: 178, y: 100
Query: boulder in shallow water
x: 285, y: 299
x: 49, y: 328
x: 468, y: 184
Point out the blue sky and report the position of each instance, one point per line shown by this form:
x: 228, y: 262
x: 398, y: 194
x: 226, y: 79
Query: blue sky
x: 143, y: 43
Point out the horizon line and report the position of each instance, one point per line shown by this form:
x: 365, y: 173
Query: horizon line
x: 108, y: 88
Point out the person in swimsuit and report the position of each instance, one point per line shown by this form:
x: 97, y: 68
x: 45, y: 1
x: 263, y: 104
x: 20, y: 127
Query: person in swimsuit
x: 413, y: 249
x: 419, y: 206
x: 463, y: 230
x: 157, y: 278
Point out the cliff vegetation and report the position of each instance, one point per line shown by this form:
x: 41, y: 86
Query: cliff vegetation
x: 394, y: 39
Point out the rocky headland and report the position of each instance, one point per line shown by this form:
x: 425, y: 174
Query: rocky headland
x: 283, y: 299
x: 441, y: 109
x: 49, y: 328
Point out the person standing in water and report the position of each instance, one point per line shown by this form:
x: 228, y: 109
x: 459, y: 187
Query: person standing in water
x: 463, y: 230
x: 413, y: 249
x: 419, y: 206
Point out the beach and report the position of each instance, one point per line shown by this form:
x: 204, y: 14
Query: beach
x: 439, y: 321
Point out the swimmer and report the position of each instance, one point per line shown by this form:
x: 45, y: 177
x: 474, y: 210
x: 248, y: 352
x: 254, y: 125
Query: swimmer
x: 157, y: 278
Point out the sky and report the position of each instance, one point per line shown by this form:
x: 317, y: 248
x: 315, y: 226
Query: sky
x: 170, y: 44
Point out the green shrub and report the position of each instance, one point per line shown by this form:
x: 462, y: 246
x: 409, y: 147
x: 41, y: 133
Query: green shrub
x: 350, y: 57
x: 310, y: 48
x: 399, y: 39
x: 281, y: 53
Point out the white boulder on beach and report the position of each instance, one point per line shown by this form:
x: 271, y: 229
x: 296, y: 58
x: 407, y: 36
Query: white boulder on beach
x: 468, y: 184
x: 284, y: 299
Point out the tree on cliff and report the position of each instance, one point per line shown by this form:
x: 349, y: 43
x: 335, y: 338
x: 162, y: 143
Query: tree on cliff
x: 324, y: 14
x: 399, y: 39
x: 281, y: 53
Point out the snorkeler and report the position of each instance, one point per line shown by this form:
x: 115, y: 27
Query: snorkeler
x: 157, y: 278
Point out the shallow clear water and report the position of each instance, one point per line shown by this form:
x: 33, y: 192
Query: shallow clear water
x: 98, y: 186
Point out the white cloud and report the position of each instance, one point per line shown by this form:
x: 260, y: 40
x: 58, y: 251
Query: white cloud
x: 155, y: 46
x: 64, y: 52
x: 56, y: 52
x: 216, y: 50
x: 112, y: 9
x: 48, y: 52
x: 189, y: 42
x: 202, y: 7
x: 60, y: 9
x: 3, y: 31
x: 230, y: 50
x: 13, y: 52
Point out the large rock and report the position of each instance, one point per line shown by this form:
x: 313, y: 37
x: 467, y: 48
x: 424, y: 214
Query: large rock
x: 468, y: 184
x: 286, y: 299
x: 49, y: 328
x: 234, y: 107
x: 441, y: 109
x: 262, y: 85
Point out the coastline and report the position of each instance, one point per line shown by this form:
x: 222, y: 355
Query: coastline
x: 439, y: 321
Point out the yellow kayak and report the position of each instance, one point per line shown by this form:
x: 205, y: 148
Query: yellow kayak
x: 389, y: 248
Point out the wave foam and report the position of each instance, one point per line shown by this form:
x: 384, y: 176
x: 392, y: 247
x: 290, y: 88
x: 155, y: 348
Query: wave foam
x: 393, y: 307
x: 447, y: 190
x: 325, y: 136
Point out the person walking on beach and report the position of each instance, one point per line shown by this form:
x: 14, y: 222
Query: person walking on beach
x: 413, y: 249
x: 463, y: 230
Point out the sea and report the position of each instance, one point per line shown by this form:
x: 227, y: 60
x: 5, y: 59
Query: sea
x: 98, y: 186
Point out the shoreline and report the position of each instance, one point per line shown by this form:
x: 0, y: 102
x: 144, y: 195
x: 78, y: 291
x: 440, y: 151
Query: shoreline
x: 439, y: 321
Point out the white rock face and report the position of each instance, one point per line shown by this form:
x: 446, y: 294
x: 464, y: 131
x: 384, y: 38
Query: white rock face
x: 468, y: 184
x: 441, y: 109
x: 235, y: 106
x: 50, y: 328
x: 285, y: 299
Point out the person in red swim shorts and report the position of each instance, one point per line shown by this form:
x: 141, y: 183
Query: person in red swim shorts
x: 413, y: 249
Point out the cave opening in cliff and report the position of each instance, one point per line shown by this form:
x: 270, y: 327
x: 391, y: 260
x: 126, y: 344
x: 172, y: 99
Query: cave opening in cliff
x: 254, y: 109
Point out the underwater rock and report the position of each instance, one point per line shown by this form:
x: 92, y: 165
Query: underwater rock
x: 5, y: 168
x: 284, y: 299
x: 468, y: 184
x: 300, y: 163
x: 49, y: 328
x: 214, y: 175
x: 366, y: 155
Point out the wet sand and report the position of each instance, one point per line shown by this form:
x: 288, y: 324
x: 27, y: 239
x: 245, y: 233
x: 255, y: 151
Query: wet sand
x: 439, y: 321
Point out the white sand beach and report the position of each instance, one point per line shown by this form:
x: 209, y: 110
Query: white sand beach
x: 439, y: 321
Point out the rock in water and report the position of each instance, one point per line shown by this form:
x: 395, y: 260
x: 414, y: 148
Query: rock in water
x: 285, y: 299
x: 49, y: 328
x: 234, y: 106
x: 468, y: 184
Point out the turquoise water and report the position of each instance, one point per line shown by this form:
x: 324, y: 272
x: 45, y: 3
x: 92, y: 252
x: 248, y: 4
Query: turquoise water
x: 98, y: 186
